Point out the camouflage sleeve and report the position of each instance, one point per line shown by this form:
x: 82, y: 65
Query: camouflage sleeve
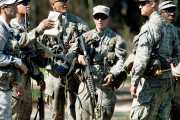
x: 148, y: 35
x: 26, y: 39
x: 82, y: 26
x: 7, y: 59
x: 120, y: 53
x: 176, y: 48
x: 72, y: 52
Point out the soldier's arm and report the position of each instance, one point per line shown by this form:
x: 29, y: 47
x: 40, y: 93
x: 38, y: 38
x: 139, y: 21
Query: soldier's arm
x: 27, y: 39
x: 6, y: 60
x: 82, y: 26
x: 147, y: 37
x: 176, y: 48
x: 73, y: 51
x: 120, y: 53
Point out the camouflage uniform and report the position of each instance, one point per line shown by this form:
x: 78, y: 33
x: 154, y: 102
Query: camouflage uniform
x: 99, y: 45
x: 175, y: 114
x: 9, y: 73
x: 22, y: 108
x: 72, y: 27
x: 154, y: 93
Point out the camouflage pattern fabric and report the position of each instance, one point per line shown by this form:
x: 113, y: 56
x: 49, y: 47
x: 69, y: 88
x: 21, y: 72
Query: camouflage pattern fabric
x: 8, y: 56
x: 175, y: 113
x: 22, y: 108
x: 101, y: 42
x: 154, y: 92
x: 72, y: 27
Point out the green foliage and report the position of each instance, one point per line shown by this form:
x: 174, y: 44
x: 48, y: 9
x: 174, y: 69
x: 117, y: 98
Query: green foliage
x: 128, y: 80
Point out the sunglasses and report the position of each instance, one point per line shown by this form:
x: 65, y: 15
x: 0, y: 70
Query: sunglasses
x: 143, y: 3
x: 101, y: 16
x: 61, y: 1
x: 169, y: 11
x: 25, y: 3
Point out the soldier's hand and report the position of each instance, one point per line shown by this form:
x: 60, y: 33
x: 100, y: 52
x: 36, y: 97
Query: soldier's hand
x: 68, y: 46
x: 23, y: 68
x: 21, y: 92
x: 172, y: 67
x: 47, y: 23
x: 108, y: 80
x: 81, y: 60
x: 133, y: 91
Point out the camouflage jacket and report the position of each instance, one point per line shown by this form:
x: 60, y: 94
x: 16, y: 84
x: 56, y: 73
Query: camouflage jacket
x: 156, y: 31
x: 25, y: 39
x: 28, y: 49
x: 71, y: 28
x: 9, y: 60
x: 99, y: 45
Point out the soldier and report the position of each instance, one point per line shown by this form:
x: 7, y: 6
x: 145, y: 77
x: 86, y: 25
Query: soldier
x: 105, y: 48
x: 72, y: 27
x: 10, y: 63
x: 169, y: 12
x: 158, y: 45
x: 22, y: 108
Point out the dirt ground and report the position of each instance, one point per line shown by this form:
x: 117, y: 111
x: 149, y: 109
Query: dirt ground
x: 122, y: 108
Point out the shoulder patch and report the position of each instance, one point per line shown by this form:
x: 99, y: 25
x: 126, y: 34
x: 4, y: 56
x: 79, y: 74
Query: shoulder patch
x: 3, y: 37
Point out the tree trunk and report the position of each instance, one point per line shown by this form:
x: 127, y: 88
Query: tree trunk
x: 90, y: 4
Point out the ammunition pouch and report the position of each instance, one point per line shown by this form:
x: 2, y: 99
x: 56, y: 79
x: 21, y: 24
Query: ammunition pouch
x: 7, y: 75
x: 111, y: 58
x: 119, y: 79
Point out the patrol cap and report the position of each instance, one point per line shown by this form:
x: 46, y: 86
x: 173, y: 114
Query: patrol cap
x: 101, y: 9
x: 23, y: 0
x: 167, y: 4
x: 6, y: 2
x: 146, y: 0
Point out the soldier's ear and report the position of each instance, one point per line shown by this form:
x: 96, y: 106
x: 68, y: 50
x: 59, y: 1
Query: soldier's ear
x: 52, y: 4
x: 2, y: 8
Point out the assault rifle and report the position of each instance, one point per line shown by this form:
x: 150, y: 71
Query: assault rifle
x: 40, y: 107
x: 65, y: 65
x: 90, y: 81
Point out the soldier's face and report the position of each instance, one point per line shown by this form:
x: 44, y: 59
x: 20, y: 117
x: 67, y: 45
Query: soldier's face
x: 60, y: 6
x: 146, y: 8
x: 23, y: 8
x: 169, y: 14
x: 11, y: 11
x: 101, y: 21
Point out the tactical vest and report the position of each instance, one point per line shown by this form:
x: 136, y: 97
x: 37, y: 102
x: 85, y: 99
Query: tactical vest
x: 109, y: 56
x: 9, y: 74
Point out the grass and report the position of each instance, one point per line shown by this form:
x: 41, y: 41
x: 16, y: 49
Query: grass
x: 128, y: 80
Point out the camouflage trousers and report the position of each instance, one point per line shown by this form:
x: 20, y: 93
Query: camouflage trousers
x: 22, y: 107
x: 175, y: 112
x: 153, y: 100
x: 55, y: 97
x: 5, y: 106
x: 106, y: 102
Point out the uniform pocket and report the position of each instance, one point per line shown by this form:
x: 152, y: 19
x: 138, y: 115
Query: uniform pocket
x: 6, y: 76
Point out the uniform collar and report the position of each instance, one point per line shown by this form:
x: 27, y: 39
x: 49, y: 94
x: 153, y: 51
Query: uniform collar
x: 101, y: 34
x: 6, y: 24
x: 154, y: 13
